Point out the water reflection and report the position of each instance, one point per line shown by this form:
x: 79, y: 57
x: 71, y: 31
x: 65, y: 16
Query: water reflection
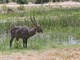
x: 73, y: 40
x: 70, y: 41
x: 65, y: 40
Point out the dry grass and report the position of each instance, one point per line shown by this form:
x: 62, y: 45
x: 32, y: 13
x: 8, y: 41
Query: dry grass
x: 52, y: 54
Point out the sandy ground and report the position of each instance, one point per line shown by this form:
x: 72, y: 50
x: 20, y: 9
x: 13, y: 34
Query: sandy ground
x: 51, y: 54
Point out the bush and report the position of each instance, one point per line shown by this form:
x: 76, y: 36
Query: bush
x: 22, y: 1
x: 33, y: 1
x: 4, y: 9
x: 41, y: 1
x: 9, y: 10
x: 21, y: 8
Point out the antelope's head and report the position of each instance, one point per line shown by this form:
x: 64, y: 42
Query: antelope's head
x: 37, y: 25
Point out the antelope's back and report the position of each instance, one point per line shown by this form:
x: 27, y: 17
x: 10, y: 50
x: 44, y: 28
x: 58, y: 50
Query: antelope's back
x: 19, y: 31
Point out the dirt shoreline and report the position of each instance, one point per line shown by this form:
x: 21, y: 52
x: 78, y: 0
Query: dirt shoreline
x: 51, y: 54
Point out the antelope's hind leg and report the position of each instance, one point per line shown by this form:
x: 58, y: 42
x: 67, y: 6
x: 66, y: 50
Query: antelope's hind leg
x: 12, y: 38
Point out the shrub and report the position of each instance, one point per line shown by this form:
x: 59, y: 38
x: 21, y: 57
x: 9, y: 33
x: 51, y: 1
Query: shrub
x: 33, y: 1
x: 9, y: 10
x: 41, y: 1
x: 21, y: 8
x: 22, y: 1
x: 4, y: 8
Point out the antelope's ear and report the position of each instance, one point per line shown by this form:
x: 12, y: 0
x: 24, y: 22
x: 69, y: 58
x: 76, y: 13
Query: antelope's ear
x: 38, y: 25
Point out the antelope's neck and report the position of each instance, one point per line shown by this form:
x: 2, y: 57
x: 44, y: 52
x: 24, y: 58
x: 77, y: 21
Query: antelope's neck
x: 32, y: 31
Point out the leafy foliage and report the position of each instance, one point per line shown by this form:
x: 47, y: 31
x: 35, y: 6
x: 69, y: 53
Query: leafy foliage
x: 41, y: 1
x: 22, y: 1
x: 21, y: 8
x: 34, y: 1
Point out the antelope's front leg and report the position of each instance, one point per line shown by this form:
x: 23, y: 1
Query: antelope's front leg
x: 25, y: 43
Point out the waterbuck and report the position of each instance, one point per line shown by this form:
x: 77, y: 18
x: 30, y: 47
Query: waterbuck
x: 24, y: 32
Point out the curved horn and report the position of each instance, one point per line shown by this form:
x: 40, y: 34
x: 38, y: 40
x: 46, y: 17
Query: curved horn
x: 33, y: 21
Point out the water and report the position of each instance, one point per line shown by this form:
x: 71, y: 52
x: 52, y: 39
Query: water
x: 69, y: 40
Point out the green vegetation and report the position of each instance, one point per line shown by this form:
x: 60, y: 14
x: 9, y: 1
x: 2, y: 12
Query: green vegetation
x: 42, y: 1
x: 59, y: 24
x: 34, y: 1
